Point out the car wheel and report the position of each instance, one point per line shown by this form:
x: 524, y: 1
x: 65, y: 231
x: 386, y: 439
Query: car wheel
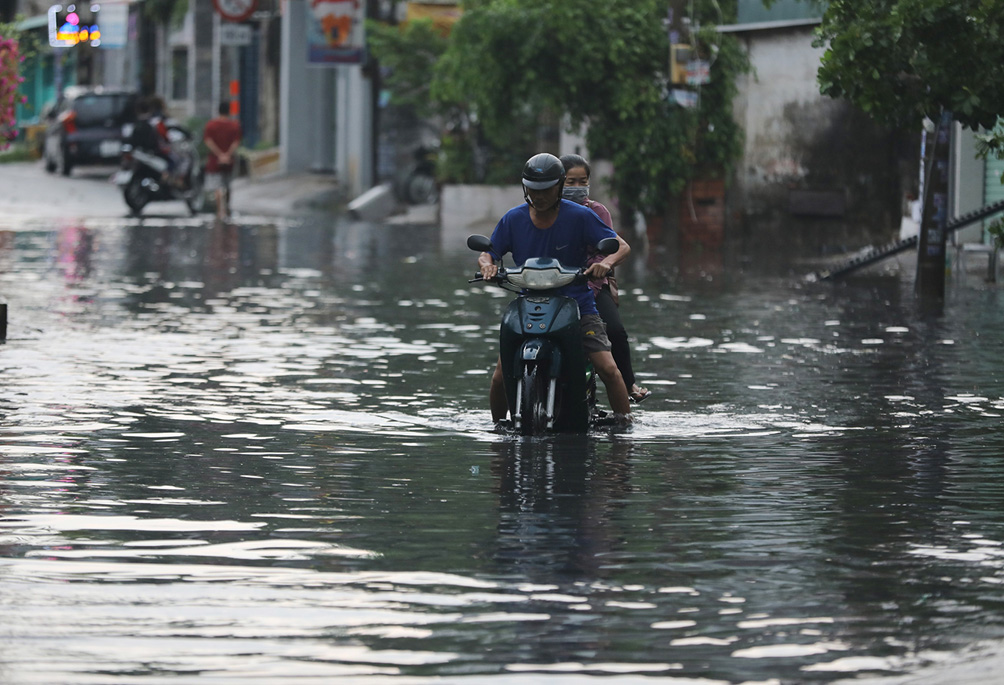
x: 65, y: 165
x: 50, y: 165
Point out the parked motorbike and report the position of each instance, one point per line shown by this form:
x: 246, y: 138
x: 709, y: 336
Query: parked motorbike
x: 143, y: 174
x: 416, y: 184
x: 550, y: 384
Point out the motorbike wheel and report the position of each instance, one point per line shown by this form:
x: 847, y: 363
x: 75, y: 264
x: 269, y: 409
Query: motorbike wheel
x: 64, y: 163
x: 135, y: 195
x: 422, y: 189
x: 196, y: 195
x: 533, y: 409
x: 590, y: 389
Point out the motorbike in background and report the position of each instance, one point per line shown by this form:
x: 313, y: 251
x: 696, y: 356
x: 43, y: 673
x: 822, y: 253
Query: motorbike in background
x: 416, y: 183
x: 144, y: 176
x: 549, y: 382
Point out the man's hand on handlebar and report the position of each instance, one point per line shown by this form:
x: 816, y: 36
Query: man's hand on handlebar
x: 487, y: 265
x: 598, y: 270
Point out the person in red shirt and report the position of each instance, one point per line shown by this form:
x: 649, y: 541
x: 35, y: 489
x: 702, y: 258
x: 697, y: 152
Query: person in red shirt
x: 222, y: 135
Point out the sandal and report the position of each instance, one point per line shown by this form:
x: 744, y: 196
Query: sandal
x: 640, y: 395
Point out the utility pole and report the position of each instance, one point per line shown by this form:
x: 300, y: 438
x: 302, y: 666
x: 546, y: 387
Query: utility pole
x: 930, y: 284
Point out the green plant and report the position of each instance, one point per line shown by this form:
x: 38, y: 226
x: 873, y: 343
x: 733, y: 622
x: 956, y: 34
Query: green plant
x: 513, y: 68
x: 16, y: 152
x: 407, y: 54
x: 903, y: 60
x: 10, y: 80
x: 996, y: 231
x: 519, y: 63
x: 164, y: 11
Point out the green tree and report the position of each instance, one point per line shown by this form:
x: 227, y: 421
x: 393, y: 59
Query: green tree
x: 902, y: 60
x: 521, y: 62
x: 407, y: 54
x: 166, y: 10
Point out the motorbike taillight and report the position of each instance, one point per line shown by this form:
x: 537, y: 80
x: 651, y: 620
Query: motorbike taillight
x: 69, y: 121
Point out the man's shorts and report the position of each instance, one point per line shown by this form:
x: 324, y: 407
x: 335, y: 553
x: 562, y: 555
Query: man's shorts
x: 594, y: 334
x: 219, y: 180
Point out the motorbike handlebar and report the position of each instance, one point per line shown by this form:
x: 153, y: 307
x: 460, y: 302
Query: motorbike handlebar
x: 498, y: 279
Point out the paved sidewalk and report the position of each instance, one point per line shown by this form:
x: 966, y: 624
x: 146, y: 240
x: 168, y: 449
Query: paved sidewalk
x: 305, y: 193
x: 287, y: 194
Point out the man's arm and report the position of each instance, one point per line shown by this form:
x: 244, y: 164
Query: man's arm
x: 233, y: 146
x: 607, y: 264
x: 486, y: 264
x: 213, y: 147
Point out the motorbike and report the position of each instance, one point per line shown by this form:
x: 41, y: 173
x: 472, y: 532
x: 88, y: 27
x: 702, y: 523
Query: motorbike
x: 550, y: 384
x: 416, y: 184
x: 142, y: 174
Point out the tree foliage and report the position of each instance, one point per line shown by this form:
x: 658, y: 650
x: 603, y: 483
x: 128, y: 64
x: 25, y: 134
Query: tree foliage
x: 165, y: 11
x: 902, y: 60
x: 604, y: 64
x: 512, y: 68
x: 408, y: 54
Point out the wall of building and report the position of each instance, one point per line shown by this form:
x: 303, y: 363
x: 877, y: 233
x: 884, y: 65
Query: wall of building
x: 816, y: 174
x: 967, y: 183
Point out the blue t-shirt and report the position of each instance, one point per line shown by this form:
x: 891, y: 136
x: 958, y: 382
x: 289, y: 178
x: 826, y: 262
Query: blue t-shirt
x: 576, y: 229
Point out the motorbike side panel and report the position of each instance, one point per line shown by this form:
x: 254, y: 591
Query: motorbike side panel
x: 544, y: 330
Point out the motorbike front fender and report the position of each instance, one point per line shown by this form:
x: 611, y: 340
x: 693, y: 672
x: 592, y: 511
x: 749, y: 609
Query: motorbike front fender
x: 552, y: 359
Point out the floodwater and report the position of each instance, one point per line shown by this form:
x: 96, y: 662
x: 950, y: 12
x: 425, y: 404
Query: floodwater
x: 262, y: 453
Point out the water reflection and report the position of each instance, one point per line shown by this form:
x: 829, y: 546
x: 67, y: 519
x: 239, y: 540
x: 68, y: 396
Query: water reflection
x: 265, y: 449
x: 219, y: 257
x: 555, y: 498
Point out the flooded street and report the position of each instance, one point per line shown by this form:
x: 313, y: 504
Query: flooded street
x: 261, y: 452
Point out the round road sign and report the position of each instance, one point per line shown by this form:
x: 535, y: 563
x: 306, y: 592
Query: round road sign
x: 235, y: 10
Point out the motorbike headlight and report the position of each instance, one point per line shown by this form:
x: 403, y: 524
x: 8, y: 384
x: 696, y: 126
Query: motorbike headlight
x: 541, y: 275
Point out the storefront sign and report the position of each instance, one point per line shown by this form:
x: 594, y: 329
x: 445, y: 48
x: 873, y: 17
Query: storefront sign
x: 335, y: 32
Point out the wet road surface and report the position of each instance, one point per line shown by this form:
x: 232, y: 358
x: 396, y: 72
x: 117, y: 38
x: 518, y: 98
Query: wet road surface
x: 260, y: 451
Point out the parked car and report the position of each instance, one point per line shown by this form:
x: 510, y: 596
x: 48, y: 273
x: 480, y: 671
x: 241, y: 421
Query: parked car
x: 84, y: 126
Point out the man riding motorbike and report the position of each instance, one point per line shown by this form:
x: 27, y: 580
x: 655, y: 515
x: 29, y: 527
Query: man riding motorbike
x: 548, y: 226
x: 147, y: 136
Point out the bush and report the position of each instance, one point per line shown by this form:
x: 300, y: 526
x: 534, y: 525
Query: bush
x: 17, y: 152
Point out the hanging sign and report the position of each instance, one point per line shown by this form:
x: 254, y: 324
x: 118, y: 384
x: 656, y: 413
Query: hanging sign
x: 335, y: 32
x: 684, y: 98
x: 235, y: 10
x: 71, y: 25
x: 698, y: 72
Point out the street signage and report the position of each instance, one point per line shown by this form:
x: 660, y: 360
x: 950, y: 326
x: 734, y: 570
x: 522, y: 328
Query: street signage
x: 235, y: 10
x: 235, y: 34
x: 698, y: 72
x: 70, y: 25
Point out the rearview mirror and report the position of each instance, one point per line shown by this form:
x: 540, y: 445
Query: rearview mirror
x: 608, y: 245
x: 479, y: 243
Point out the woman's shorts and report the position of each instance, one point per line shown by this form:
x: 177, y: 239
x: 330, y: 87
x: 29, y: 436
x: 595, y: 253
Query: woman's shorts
x: 594, y: 334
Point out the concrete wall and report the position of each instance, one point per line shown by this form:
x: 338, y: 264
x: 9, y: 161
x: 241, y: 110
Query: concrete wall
x: 967, y: 183
x: 325, y: 117
x: 467, y: 209
x: 296, y: 115
x: 816, y: 175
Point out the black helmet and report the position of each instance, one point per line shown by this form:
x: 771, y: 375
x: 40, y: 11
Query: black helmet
x: 542, y: 171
